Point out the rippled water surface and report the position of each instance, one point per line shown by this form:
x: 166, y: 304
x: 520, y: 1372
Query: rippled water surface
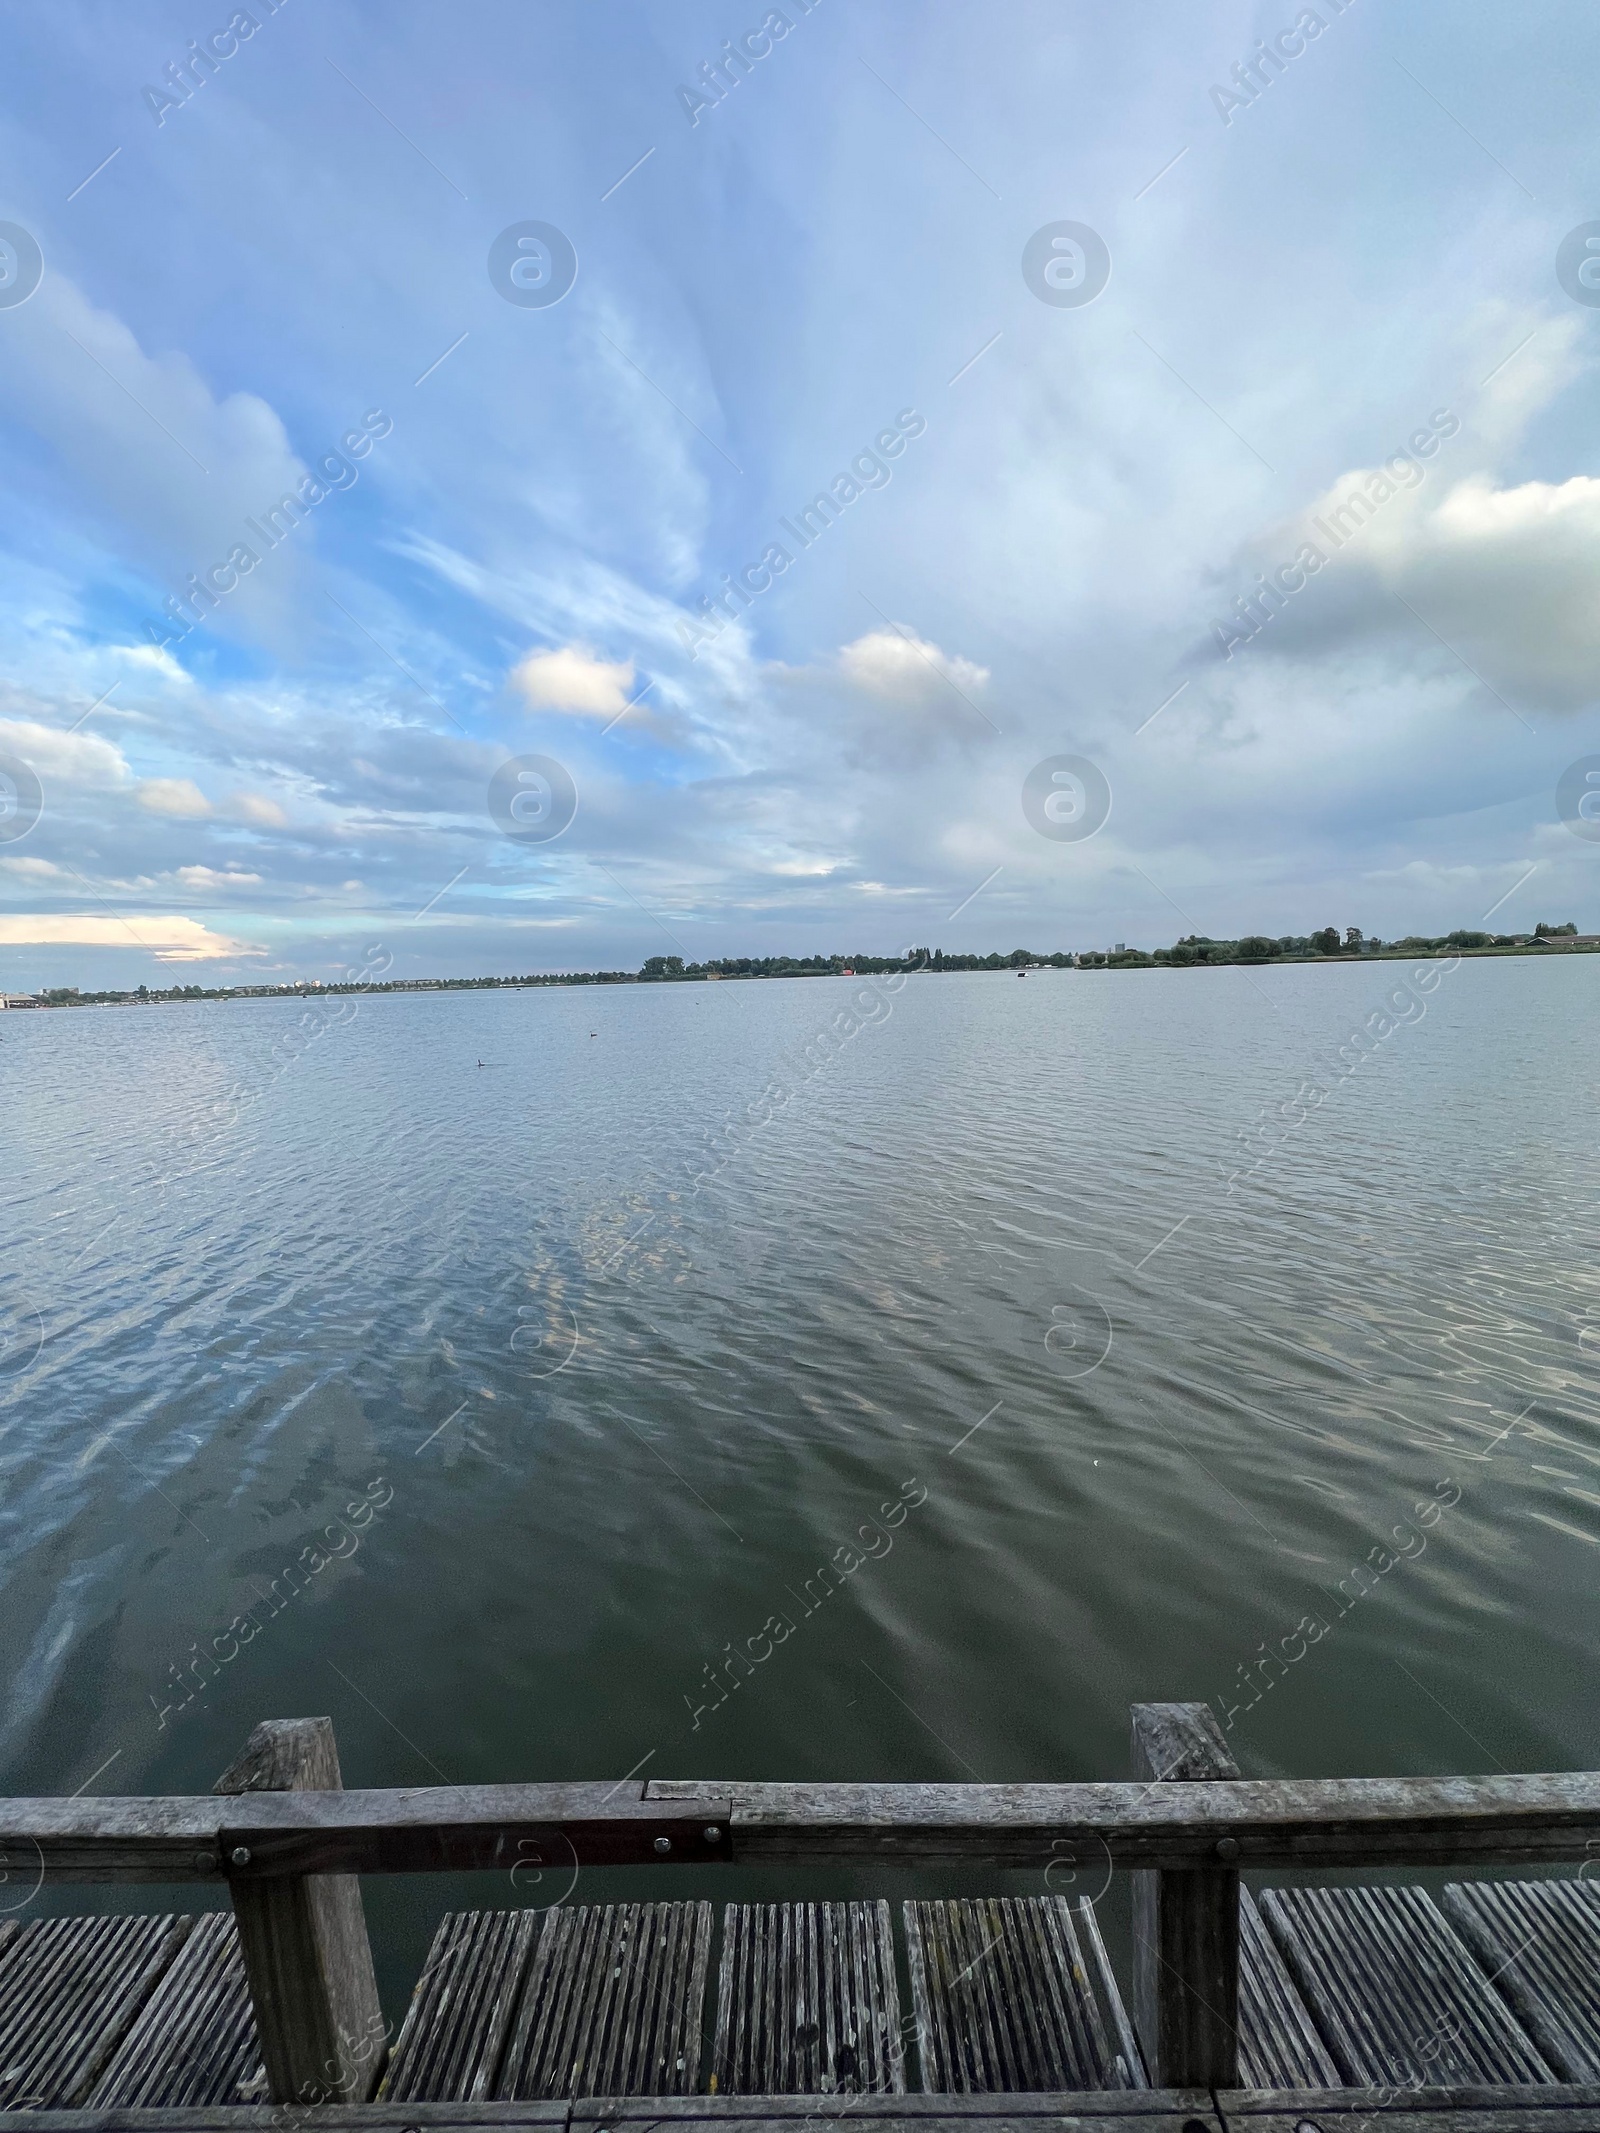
x: 1148, y: 1316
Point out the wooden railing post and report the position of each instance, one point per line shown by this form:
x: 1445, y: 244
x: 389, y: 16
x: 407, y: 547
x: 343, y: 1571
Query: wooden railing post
x: 304, y: 1937
x: 1186, y: 1922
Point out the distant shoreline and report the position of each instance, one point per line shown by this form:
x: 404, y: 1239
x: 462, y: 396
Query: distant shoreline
x: 921, y: 963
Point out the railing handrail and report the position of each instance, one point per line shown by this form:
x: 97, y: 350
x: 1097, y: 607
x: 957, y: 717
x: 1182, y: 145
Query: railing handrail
x: 1172, y: 1825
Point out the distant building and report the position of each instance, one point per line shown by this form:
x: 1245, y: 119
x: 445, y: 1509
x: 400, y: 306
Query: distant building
x: 19, y: 999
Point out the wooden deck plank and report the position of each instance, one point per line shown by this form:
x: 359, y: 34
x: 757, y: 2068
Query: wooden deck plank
x: 1556, y: 2108
x: 275, y: 2118
x: 612, y: 2004
x: 194, y: 2042
x: 1135, y: 2110
x: 1003, y: 1999
x: 462, y: 2007
x: 807, y: 2001
x: 70, y: 1988
x: 1539, y: 1944
x: 1279, y: 2047
x: 1073, y: 1996
x: 1121, y: 2111
x: 1129, y: 2070
x: 1395, y: 1994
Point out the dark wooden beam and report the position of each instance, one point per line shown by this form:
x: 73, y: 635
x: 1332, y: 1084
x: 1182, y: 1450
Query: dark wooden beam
x: 456, y: 1828
x: 304, y: 1937
x: 1185, y: 1920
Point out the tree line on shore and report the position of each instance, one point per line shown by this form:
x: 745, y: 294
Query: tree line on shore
x: 1193, y: 948
x: 1313, y: 947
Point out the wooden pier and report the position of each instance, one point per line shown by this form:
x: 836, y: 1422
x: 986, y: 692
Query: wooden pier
x: 1290, y: 2009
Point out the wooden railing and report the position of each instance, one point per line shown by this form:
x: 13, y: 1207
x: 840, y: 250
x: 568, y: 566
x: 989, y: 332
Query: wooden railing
x: 288, y: 1841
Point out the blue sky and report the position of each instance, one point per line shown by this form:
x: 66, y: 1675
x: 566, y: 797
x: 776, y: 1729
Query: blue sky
x: 545, y: 496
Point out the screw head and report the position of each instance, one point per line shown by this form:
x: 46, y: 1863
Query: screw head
x: 1227, y: 1847
x: 663, y: 1844
x: 713, y: 1834
x: 205, y: 1862
x: 240, y: 1855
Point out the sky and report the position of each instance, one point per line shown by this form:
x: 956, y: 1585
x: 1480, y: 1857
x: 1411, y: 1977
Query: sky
x: 471, y: 700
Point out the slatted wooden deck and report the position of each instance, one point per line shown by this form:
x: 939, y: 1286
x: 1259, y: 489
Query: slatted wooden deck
x: 125, y: 2012
x: 807, y: 2001
x: 1395, y: 1991
x: 1004, y: 2000
x: 1280, y: 2046
x: 1342, y: 1991
x: 1540, y: 1943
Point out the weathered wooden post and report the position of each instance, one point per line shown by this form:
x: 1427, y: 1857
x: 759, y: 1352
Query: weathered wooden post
x: 304, y: 1937
x: 1186, y: 1921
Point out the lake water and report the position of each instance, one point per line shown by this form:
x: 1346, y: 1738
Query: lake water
x: 607, y: 1386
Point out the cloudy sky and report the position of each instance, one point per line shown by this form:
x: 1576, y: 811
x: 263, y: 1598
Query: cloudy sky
x: 1333, y: 274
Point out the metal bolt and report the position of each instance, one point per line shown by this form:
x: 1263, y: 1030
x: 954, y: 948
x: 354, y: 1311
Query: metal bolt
x: 205, y: 1862
x: 240, y: 1855
x: 663, y: 1844
x: 1227, y: 1847
x: 713, y: 1834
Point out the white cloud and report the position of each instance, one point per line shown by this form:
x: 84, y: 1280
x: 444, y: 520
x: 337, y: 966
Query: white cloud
x: 1510, y: 574
x: 209, y: 878
x: 157, y: 658
x: 179, y: 797
x: 255, y: 807
x: 573, y: 679
x: 73, y: 758
x: 160, y: 463
x: 1504, y: 576
x: 1422, y: 549
x: 900, y: 667
x: 171, y: 940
